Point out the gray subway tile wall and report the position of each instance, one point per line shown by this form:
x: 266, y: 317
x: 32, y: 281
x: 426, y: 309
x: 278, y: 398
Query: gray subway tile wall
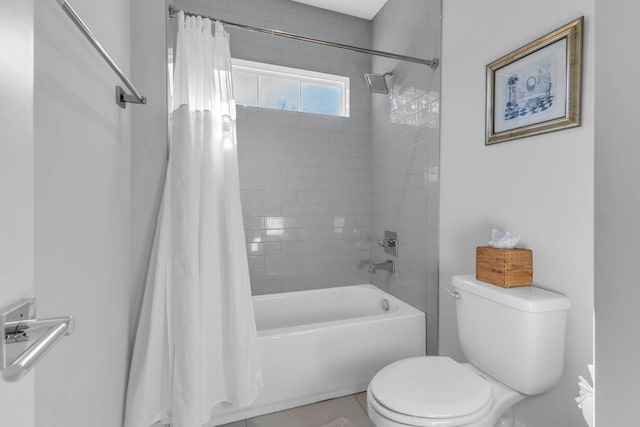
x: 305, y: 181
x: 405, y: 155
x: 319, y: 191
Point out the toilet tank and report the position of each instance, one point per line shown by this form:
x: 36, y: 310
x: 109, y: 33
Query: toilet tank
x: 516, y: 335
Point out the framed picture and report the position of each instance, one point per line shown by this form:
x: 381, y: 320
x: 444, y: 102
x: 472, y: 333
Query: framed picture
x: 536, y: 89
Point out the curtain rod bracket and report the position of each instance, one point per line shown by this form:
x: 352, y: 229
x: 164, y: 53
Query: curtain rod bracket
x: 173, y: 12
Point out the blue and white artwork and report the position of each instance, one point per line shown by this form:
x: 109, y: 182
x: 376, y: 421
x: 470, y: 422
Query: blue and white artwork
x: 532, y: 89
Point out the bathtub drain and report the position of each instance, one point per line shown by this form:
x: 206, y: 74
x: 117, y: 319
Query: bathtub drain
x: 385, y: 304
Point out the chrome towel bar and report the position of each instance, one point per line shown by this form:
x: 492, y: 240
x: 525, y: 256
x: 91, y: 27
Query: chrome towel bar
x: 121, y: 96
x: 21, y: 329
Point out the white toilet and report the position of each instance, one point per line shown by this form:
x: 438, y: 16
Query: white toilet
x: 514, y: 339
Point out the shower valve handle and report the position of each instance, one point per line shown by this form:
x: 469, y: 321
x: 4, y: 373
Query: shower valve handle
x: 387, y: 243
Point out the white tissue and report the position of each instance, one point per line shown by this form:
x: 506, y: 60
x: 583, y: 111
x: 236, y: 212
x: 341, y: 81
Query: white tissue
x: 587, y: 397
x: 502, y: 240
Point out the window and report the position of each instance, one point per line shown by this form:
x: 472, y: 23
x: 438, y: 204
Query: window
x: 257, y: 84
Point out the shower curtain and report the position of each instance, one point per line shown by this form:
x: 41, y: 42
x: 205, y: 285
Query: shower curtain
x: 196, y: 341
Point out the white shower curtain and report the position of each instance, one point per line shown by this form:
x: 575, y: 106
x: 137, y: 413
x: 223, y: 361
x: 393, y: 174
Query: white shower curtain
x: 196, y: 341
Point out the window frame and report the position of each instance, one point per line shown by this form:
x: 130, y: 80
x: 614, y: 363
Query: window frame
x: 299, y: 75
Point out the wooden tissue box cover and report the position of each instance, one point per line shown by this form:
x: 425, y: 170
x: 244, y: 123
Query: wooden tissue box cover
x: 508, y: 268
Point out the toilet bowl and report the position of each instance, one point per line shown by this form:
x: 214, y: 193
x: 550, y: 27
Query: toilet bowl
x: 514, y: 341
x: 437, y: 391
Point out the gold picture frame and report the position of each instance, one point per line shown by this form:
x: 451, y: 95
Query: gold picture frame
x: 536, y: 88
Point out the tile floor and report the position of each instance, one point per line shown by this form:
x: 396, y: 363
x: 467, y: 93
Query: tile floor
x: 352, y: 407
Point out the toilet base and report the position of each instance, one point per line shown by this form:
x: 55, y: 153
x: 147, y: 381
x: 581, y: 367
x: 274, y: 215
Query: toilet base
x: 508, y: 419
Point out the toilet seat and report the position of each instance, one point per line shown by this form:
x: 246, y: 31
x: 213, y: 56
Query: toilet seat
x: 430, y: 391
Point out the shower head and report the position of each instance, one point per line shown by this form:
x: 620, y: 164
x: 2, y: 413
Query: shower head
x: 378, y: 82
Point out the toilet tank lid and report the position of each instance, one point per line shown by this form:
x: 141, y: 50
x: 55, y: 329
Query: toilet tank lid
x: 526, y: 298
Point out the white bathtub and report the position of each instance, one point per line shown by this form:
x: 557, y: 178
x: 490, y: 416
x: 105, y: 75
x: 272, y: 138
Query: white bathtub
x: 325, y: 343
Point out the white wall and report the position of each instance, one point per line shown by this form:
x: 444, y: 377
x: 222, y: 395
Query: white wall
x: 617, y: 206
x: 16, y: 188
x: 149, y: 138
x: 82, y: 213
x: 405, y: 142
x: 540, y: 187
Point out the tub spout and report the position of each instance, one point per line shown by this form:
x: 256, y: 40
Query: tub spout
x: 387, y: 266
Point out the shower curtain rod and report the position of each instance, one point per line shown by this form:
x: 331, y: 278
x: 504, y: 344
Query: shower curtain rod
x: 433, y: 63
